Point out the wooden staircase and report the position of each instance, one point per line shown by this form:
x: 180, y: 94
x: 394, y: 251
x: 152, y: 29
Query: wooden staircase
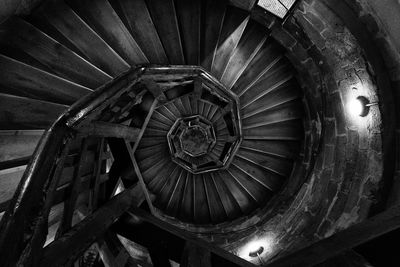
x: 65, y: 50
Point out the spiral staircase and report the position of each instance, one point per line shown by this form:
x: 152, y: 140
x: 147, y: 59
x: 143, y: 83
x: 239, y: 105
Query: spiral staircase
x: 196, y: 103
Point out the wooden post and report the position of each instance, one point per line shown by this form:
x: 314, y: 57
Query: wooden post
x: 73, y: 243
x: 69, y: 204
x: 140, y: 177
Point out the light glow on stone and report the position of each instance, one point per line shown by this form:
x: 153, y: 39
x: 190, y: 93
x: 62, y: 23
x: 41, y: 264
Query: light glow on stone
x: 252, y: 247
x: 356, y: 107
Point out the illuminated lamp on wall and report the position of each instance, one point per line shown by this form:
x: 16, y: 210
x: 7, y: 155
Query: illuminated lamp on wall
x: 277, y: 7
x: 360, y: 106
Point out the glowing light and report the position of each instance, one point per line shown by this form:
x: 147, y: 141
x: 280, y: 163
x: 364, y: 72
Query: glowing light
x: 359, y: 106
x: 356, y: 107
x: 256, y: 249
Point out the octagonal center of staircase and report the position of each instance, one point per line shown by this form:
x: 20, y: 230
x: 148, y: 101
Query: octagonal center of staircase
x: 197, y: 138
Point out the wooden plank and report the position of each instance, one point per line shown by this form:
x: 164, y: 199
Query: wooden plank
x: 234, y: 24
x: 188, y: 236
x: 23, y: 113
x: 287, y: 111
x: 96, y: 174
x: 105, y: 21
x: 70, y: 25
x: 73, y: 243
x: 9, y: 180
x: 287, y: 130
x: 111, y: 130
x: 342, y: 241
x: 143, y: 30
x: 231, y: 206
x: 139, y: 175
x: 189, y: 15
x: 60, y: 59
x: 253, y: 38
x: 69, y: 206
x: 213, y: 19
x: 281, y: 74
x: 267, y: 56
x: 27, y: 81
x: 164, y: 17
x: 18, y: 144
x: 284, y: 93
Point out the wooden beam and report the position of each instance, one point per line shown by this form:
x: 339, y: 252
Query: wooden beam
x: 97, y: 174
x: 140, y: 177
x: 106, y: 129
x: 114, y: 253
x: 144, y: 126
x: 188, y: 236
x: 69, y: 205
x: 345, y: 240
x: 74, y: 242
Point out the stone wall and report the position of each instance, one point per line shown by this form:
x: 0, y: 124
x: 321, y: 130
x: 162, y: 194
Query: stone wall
x: 349, y: 175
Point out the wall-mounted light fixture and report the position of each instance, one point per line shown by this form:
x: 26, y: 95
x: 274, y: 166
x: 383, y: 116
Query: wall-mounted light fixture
x: 360, y: 106
x: 257, y: 253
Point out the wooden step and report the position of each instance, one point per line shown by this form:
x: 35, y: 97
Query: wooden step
x: 200, y: 205
x: 235, y: 22
x: 174, y: 202
x: 231, y: 206
x: 278, y: 76
x: 57, y: 57
x: 287, y: 111
x: 253, y: 39
x: 214, y: 14
x: 255, y: 191
x: 102, y: 18
x: 143, y: 30
x: 17, y: 146
x: 186, y: 210
x: 217, y: 211
x: 288, y: 130
x: 19, y: 113
x: 189, y: 17
x: 259, y: 174
x: 283, y: 149
x: 24, y: 80
x: 283, y: 94
x: 269, y: 54
x: 72, y: 27
x: 236, y: 193
x: 276, y: 165
x: 164, y: 18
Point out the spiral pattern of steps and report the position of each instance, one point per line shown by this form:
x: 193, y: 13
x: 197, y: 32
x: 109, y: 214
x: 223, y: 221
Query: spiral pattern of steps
x: 66, y: 49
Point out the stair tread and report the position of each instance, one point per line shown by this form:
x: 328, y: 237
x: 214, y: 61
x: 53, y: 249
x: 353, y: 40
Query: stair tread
x: 54, y: 55
x: 27, y: 81
x: 164, y: 18
x: 67, y: 22
x: 105, y: 21
x: 143, y: 30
